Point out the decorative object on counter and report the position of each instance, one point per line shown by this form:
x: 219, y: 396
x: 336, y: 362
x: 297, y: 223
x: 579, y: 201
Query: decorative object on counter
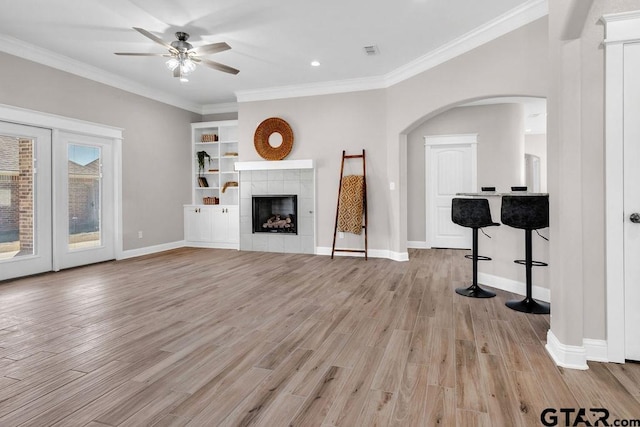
x: 528, y: 213
x: 210, y: 200
x: 230, y: 154
x: 263, y: 133
x: 209, y: 137
x: 202, y: 182
x: 518, y: 188
x: 229, y: 184
x: 202, y: 155
x: 475, y: 214
x: 352, y: 204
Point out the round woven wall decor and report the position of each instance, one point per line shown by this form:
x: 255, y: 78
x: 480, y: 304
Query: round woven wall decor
x: 265, y: 130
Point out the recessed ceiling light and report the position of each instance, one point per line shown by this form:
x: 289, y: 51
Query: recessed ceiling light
x: 315, y: 63
x: 527, y: 130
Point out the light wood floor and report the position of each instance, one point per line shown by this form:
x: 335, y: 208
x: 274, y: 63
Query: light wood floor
x: 212, y: 337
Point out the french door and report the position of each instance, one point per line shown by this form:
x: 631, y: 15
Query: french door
x: 56, y: 200
x: 83, y: 200
x: 25, y: 200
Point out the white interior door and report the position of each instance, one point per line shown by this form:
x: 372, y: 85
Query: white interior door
x: 25, y: 200
x: 451, y: 167
x: 632, y: 199
x: 84, y: 200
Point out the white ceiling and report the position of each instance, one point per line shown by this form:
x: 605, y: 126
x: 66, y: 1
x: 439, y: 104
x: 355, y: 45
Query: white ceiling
x: 273, y: 41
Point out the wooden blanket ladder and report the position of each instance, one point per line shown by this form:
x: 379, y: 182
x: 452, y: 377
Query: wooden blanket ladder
x: 364, y: 207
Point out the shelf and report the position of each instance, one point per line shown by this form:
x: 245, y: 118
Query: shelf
x: 223, y: 154
x: 274, y: 164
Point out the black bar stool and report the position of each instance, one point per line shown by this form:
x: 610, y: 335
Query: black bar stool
x: 475, y: 214
x: 528, y: 213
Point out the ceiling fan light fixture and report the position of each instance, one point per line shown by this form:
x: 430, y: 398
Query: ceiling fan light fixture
x: 172, y: 64
x: 187, y: 66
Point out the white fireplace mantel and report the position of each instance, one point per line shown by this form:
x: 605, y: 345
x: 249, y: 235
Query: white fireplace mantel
x: 274, y: 164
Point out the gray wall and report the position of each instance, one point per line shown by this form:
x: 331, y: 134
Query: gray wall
x: 323, y: 126
x: 500, y: 130
x: 155, y: 152
x: 536, y: 144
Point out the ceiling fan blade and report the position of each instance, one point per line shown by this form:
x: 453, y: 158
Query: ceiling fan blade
x: 211, y: 48
x: 141, y: 54
x: 218, y: 66
x: 155, y: 39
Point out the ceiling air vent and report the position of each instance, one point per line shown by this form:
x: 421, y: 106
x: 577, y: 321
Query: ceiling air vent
x: 371, y: 50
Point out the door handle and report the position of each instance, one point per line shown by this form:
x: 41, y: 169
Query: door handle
x: 635, y: 218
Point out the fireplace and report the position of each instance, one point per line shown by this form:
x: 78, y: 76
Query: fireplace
x: 275, y: 214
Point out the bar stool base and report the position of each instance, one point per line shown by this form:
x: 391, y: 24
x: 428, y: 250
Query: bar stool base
x: 475, y: 291
x: 529, y: 305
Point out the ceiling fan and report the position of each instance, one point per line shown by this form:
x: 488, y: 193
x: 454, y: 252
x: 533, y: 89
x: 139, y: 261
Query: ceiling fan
x: 183, y: 57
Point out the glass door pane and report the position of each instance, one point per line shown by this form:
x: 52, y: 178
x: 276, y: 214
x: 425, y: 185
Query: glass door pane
x: 85, y: 188
x: 17, y: 227
x: 25, y: 200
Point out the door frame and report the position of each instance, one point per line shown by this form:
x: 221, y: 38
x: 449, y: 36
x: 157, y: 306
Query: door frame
x: 620, y: 28
x: 439, y: 141
x: 59, y: 124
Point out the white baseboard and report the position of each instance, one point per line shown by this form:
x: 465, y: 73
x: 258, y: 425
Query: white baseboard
x: 132, y: 253
x: 509, y: 285
x: 373, y: 253
x: 597, y: 350
x: 567, y: 356
x: 412, y: 244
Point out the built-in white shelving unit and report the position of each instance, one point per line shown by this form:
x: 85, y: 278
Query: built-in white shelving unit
x: 212, y: 219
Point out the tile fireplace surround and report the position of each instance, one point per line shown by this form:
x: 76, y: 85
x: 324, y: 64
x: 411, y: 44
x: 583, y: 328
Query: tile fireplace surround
x: 263, y: 178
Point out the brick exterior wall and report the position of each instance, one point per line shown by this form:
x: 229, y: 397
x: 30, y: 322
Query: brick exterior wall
x: 25, y: 191
x: 9, y: 213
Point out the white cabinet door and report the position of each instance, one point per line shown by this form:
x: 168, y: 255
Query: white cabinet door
x: 220, y: 224
x: 198, y: 224
x: 233, y: 216
x: 226, y: 224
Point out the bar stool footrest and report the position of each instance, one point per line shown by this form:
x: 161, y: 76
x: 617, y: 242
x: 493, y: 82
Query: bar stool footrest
x: 533, y: 263
x: 479, y: 257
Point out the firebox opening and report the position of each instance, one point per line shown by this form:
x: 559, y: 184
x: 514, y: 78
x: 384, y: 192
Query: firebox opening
x: 275, y: 214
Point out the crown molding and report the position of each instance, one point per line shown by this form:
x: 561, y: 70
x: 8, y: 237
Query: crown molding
x: 512, y: 20
x: 227, y: 107
x: 311, y: 89
x: 33, y: 53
